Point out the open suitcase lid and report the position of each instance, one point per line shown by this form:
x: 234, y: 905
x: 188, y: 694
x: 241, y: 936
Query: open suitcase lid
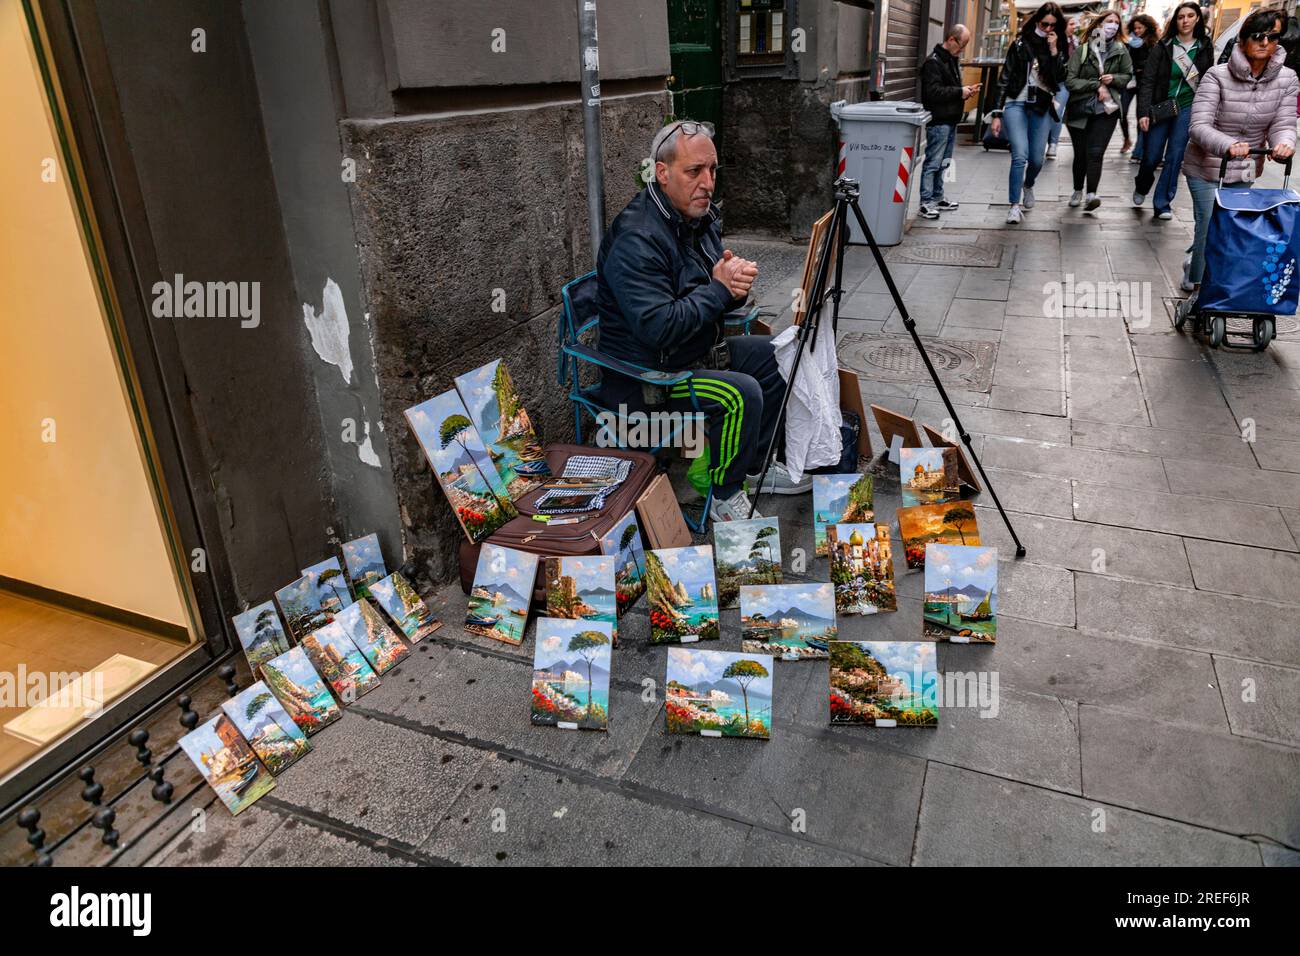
x: 1254, y: 200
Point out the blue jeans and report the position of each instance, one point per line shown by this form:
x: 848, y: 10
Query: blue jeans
x: 1167, y: 140
x: 1202, y: 191
x: 939, y: 141
x: 1027, y: 131
x: 1062, y: 97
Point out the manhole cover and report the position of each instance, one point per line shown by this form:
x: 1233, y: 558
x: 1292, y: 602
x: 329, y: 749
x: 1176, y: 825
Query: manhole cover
x: 948, y: 254
x: 894, y: 358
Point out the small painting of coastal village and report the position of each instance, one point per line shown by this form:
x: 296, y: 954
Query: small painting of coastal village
x: 300, y: 691
x: 502, y: 593
x: 719, y: 694
x: 884, y: 683
x: 364, y: 562
x: 683, y: 595
x: 300, y: 604
x: 582, y: 588
x: 406, y: 608
x: 260, y: 634
x: 464, y: 468
x: 571, y: 673
x: 862, y: 568
x: 788, y: 621
x: 228, y: 763
x: 340, y: 662
x: 746, y: 552
x: 928, y: 476
x: 267, y: 727
x: 840, y: 498
x: 495, y: 409
x: 623, y: 542
x: 333, y: 592
x: 961, y: 594
x: 950, y: 523
x: 378, y: 642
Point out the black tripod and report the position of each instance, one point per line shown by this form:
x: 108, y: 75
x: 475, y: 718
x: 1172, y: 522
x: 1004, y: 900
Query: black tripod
x: 846, y: 199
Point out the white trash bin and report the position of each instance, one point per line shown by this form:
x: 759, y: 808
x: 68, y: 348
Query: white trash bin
x: 880, y: 148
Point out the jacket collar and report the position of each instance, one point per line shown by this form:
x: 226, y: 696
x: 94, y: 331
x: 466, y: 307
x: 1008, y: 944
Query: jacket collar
x: 676, y: 220
x: 942, y: 53
x: 1239, y: 66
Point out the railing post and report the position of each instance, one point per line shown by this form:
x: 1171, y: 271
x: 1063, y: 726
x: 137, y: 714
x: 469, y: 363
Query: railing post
x: 30, y: 820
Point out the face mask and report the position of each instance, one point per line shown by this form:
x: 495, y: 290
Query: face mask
x: 1039, y: 31
x: 1109, y: 29
x: 1135, y: 42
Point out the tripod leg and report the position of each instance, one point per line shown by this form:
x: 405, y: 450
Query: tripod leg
x: 910, y: 325
x: 808, y: 330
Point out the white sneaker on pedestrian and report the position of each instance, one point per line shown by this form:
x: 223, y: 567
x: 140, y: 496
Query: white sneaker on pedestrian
x: 1051, y: 151
x: 735, y: 508
x: 1092, y: 203
x: 1165, y: 215
x: 927, y: 211
x: 1139, y: 198
x: 1015, y: 216
x: 1027, y: 200
x: 1076, y: 197
x: 1134, y: 157
x: 946, y: 205
x: 779, y: 481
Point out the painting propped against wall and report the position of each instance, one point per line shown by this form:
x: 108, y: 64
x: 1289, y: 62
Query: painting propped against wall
x: 267, y: 727
x: 300, y: 690
x: 228, y: 763
x: 260, y: 634
x: 364, y: 562
x: 404, y: 607
x: 495, y: 409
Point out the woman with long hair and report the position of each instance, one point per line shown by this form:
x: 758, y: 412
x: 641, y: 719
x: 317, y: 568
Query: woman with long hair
x: 1142, y: 35
x: 1097, y: 73
x: 1174, y: 68
x: 1244, y: 104
x: 1025, y: 105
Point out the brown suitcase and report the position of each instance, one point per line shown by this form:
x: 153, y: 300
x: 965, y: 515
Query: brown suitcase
x: 525, y: 534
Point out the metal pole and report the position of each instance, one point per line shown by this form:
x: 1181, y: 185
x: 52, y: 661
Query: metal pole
x: 589, y: 65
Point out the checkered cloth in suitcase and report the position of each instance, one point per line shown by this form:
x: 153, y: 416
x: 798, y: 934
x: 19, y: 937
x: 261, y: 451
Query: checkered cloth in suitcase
x: 551, y: 503
x: 614, y: 470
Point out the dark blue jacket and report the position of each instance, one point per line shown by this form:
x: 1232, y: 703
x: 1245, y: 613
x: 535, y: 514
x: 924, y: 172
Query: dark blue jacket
x: 659, y: 305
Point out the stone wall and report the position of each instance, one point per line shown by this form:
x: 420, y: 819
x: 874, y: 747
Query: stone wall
x: 448, y: 209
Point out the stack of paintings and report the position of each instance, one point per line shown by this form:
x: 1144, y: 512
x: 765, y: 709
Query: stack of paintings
x: 840, y: 498
x: 862, y: 568
x: 260, y: 635
x: 623, y: 543
x: 928, y: 476
x: 340, y: 662
x: 368, y: 630
x: 502, y: 593
x: 884, y: 683
x: 300, y: 603
x: 495, y: 409
x: 333, y: 590
x: 961, y: 594
x: 406, y: 608
x: 747, y: 552
x: 582, y: 588
x: 267, y: 727
x: 718, y: 694
x: 571, y: 674
x: 464, y: 468
x: 950, y: 523
x: 228, y: 763
x: 683, y: 595
x: 792, y: 622
x: 365, y: 563
x: 300, y: 690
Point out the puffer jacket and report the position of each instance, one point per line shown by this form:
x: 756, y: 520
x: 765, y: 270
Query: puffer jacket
x: 1232, y: 106
x: 1083, y: 78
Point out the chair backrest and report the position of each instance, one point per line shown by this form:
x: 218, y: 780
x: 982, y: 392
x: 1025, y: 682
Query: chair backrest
x: 578, y: 315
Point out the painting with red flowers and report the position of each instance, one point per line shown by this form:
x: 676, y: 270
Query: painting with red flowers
x: 571, y: 674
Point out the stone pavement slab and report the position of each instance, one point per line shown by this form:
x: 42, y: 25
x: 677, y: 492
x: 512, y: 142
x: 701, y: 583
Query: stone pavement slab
x: 1258, y: 525
x: 1250, y: 572
x: 1072, y: 462
x: 1262, y: 700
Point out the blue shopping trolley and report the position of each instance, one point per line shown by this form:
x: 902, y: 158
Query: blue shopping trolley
x: 1252, y: 264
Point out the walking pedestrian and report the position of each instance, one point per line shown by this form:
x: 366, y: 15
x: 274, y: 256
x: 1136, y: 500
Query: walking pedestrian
x: 1142, y: 35
x: 944, y: 96
x: 1174, y: 67
x: 1027, y: 85
x: 1241, y: 105
x: 1099, y: 70
x: 1062, y: 93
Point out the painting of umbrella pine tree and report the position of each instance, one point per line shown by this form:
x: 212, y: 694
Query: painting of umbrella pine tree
x: 571, y: 674
x: 718, y: 694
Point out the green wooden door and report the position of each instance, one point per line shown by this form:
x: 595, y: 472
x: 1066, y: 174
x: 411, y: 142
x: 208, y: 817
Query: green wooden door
x: 695, y: 46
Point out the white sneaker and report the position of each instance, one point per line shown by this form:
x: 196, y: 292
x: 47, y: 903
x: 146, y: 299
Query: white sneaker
x: 1165, y: 215
x: 1051, y: 151
x: 779, y: 482
x: 1027, y: 199
x: 1093, y: 202
x: 927, y: 211
x: 1187, y: 285
x: 1015, y: 215
x: 735, y: 508
x: 1076, y: 197
x: 1139, y: 198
